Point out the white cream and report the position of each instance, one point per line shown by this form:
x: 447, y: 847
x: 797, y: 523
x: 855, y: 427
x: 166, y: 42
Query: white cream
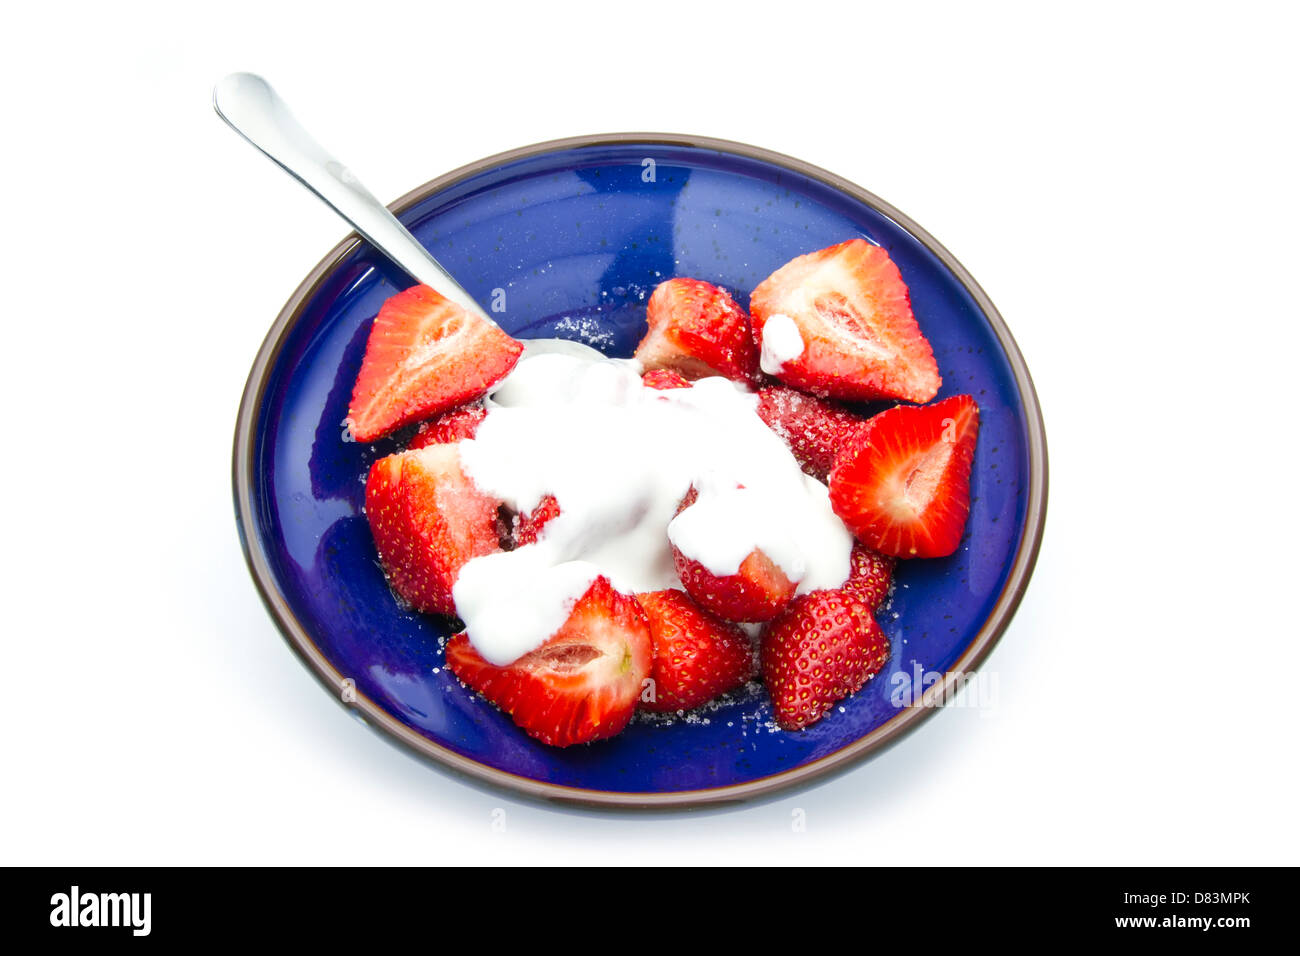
x: 619, y: 458
x: 781, y: 343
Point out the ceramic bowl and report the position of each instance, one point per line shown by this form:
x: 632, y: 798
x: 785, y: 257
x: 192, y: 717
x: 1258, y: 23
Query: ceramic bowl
x: 572, y: 236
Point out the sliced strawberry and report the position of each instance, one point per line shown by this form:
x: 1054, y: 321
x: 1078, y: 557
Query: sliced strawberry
x: 428, y: 521
x: 854, y: 315
x: 697, y: 329
x: 696, y: 656
x: 758, y: 591
x: 664, y: 378
x: 903, y: 485
x: 390, y: 526
x: 825, y: 646
x: 452, y: 427
x: 582, y: 684
x: 871, y: 575
x: 815, y: 430
x: 528, y: 527
x: 425, y: 355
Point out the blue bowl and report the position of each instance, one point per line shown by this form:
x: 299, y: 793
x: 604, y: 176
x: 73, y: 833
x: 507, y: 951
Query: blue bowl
x: 576, y: 233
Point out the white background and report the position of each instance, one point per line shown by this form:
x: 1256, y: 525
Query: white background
x: 1121, y: 180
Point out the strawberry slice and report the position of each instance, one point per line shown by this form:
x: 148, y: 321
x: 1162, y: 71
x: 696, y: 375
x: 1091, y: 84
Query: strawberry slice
x: 815, y: 430
x: 825, y: 646
x: 696, y: 656
x: 664, y: 378
x: 903, y: 486
x: 697, y: 329
x: 449, y: 428
x: 758, y: 591
x: 428, y: 521
x: 528, y: 527
x: 582, y: 684
x: 425, y: 355
x: 870, y: 576
x: 854, y: 316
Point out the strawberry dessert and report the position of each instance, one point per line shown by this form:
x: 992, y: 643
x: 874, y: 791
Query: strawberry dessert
x: 648, y: 534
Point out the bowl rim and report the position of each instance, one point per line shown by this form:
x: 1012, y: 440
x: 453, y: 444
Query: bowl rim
x: 905, y: 721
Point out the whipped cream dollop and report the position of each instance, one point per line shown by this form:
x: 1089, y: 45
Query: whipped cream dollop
x: 781, y: 342
x: 619, y: 457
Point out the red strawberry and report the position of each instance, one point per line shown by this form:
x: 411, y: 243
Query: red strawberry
x: 816, y: 431
x: 825, y: 646
x: 903, y: 486
x: 582, y: 684
x: 664, y: 378
x: 428, y: 521
x: 449, y: 428
x: 696, y: 655
x: 854, y: 315
x: 871, y: 575
x: 425, y: 355
x: 756, y: 592
x: 697, y: 329
x: 528, y: 528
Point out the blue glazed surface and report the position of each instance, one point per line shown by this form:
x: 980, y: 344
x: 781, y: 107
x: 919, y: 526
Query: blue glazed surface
x: 577, y: 239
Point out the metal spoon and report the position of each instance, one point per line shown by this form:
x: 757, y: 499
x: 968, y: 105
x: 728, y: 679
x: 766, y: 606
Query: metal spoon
x: 253, y: 109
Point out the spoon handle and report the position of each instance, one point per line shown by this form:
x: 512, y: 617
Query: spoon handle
x: 253, y: 109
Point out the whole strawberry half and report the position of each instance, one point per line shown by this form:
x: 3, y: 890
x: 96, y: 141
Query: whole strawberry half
x: 697, y: 329
x: 582, y: 684
x: 697, y: 656
x: 815, y: 430
x: 425, y: 355
x: 758, y: 591
x: 854, y: 315
x: 824, y: 647
x: 903, y: 485
x: 428, y: 521
x: 451, y: 427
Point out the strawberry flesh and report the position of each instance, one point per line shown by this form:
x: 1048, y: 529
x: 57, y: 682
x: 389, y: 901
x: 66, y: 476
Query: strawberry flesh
x: 903, y: 485
x: 664, y: 378
x: 697, y: 329
x: 425, y: 355
x: 758, y: 591
x: 582, y: 684
x: 428, y: 520
x: 854, y: 315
